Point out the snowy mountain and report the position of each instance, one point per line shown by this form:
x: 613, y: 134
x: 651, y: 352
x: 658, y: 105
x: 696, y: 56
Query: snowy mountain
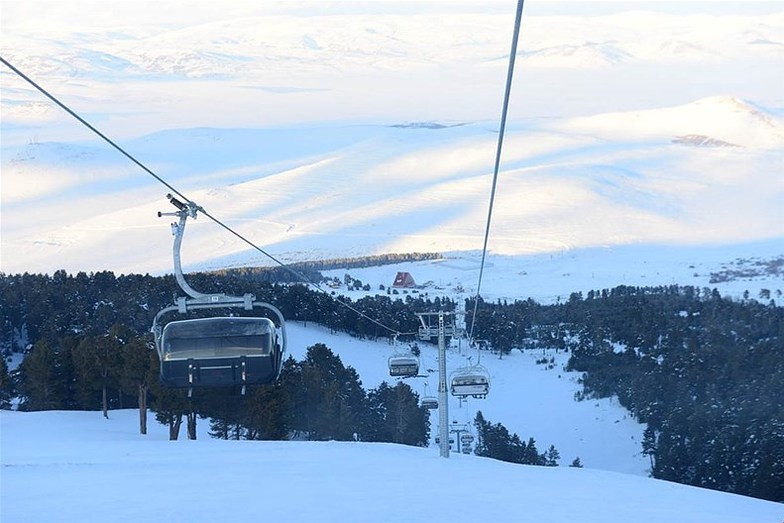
x: 300, y: 126
x: 567, y: 187
x: 645, y: 147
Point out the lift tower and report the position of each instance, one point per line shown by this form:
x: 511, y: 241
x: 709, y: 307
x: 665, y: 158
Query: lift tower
x: 434, y: 325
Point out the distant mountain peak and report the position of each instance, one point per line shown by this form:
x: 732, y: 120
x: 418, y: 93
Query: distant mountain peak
x: 725, y: 119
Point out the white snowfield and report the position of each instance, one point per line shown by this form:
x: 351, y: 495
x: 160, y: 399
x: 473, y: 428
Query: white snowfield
x: 329, y: 131
x: 565, y: 186
x: 76, y: 466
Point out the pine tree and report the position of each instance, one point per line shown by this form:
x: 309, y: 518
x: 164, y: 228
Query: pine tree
x: 267, y: 416
x: 169, y: 405
x: 227, y: 410
x: 6, y: 386
x: 139, y: 369
x: 40, y: 386
x: 97, y: 364
x: 333, y: 402
x: 397, y: 415
x: 649, y: 444
x: 495, y: 441
x: 480, y: 448
x: 551, y: 457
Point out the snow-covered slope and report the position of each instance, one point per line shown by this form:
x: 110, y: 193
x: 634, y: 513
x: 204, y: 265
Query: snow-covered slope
x: 91, y: 469
x: 529, y: 399
x: 724, y: 118
x: 335, y: 130
x: 341, y: 191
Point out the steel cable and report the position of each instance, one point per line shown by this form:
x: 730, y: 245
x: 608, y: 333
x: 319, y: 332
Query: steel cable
x: 502, y: 128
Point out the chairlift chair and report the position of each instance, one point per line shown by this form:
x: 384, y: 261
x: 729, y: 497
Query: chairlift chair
x: 430, y: 402
x: 219, y: 351
x: 471, y: 382
x: 215, y: 351
x: 403, y: 365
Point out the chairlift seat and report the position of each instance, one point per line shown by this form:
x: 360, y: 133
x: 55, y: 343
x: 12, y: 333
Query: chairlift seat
x: 430, y: 403
x: 474, y: 384
x: 221, y: 351
x: 403, y: 366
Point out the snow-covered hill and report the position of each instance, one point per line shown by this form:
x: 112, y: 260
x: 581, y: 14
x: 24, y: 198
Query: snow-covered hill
x: 569, y: 188
x: 91, y: 469
x: 645, y: 147
x: 530, y: 399
x: 336, y: 130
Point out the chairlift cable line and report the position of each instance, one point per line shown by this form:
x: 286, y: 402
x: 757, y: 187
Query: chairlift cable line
x: 296, y: 273
x: 89, y: 126
x: 300, y: 275
x: 502, y: 128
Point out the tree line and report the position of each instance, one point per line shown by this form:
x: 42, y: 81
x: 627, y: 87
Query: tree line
x: 704, y: 372
x: 495, y: 441
x: 317, y: 398
x: 88, y: 347
x: 43, y: 307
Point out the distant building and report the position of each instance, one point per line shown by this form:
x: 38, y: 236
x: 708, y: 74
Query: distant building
x: 403, y: 280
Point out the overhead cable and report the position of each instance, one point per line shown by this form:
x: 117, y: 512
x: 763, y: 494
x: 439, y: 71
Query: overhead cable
x: 125, y: 153
x: 502, y: 128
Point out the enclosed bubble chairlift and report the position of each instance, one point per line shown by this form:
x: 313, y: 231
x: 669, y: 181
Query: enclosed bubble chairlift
x: 215, y: 351
x: 403, y: 364
x: 472, y: 381
x: 429, y: 402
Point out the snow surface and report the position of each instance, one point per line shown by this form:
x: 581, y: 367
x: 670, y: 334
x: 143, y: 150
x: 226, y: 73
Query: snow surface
x: 91, y: 469
x: 348, y: 129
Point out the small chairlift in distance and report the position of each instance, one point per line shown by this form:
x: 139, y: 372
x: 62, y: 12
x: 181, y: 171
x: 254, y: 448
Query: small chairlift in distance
x: 403, y: 364
x: 472, y: 381
x: 466, y: 440
x: 216, y: 351
x: 429, y: 402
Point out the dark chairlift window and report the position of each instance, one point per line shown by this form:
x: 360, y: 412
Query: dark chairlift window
x: 217, y: 337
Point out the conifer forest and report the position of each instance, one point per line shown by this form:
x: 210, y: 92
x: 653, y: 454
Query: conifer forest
x: 703, y: 372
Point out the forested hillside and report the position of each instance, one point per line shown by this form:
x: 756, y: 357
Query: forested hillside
x: 704, y: 372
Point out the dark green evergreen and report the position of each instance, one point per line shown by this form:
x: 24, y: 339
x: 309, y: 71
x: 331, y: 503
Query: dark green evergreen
x: 495, y: 441
x: 704, y: 372
x: 6, y: 386
x: 397, y: 416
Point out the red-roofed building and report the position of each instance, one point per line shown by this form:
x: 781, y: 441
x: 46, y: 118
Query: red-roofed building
x: 404, y: 280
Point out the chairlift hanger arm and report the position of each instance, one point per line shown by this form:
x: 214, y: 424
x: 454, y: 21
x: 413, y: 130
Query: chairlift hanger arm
x: 185, y: 210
